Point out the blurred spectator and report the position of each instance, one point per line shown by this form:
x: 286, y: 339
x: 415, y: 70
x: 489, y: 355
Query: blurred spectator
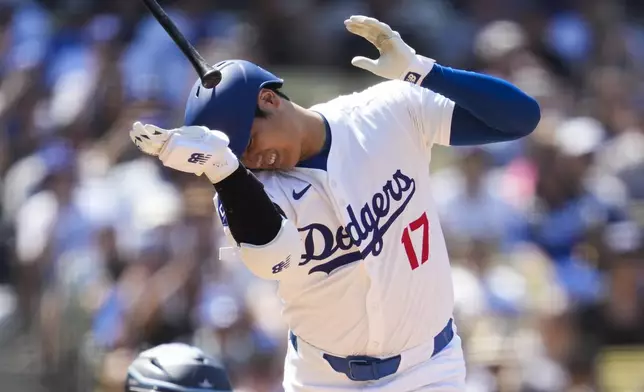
x: 476, y: 209
x: 618, y: 319
x: 570, y: 207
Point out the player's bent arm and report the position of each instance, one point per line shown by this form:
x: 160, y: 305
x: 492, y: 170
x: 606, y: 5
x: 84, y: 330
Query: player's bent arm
x: 456, y: 107
x: 487, y: 109
x: 266, y: 240
x: 254, y: 224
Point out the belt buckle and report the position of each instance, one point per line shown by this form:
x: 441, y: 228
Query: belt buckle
x: 364, y: 363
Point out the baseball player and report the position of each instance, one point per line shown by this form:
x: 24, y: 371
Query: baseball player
x: 335, y: 203
x: 176, y: 367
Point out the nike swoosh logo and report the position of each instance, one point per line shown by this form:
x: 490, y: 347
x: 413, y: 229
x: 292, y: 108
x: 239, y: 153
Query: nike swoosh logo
x: 298, y: 195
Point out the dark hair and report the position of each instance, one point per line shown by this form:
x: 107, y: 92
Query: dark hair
x: 259, y: 113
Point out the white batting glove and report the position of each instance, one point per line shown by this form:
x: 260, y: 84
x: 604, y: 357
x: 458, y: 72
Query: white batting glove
x: 192, y: 149
x: 397, y: 59
x: 149, y: 138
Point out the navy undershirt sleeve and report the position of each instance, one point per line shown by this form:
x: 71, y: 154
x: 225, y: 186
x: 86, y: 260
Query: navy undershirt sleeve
x: 247, y: 210
x: 487, y: 110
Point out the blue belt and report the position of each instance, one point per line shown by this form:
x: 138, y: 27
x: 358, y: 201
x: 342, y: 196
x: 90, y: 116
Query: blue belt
x: 365, y: 368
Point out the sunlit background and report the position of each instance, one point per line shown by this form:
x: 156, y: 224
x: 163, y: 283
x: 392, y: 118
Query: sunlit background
x: 104, y: 252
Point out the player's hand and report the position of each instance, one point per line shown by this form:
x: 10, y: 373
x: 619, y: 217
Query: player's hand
x: 149, y: 138
x: 397, y: 59
x: 191, y: 149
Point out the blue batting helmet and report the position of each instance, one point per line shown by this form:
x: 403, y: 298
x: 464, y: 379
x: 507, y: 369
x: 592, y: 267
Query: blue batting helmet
x: 176, y: 367
x: 230, y: 106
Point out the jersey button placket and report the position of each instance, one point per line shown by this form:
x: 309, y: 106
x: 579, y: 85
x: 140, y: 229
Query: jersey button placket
x: 375, y: 319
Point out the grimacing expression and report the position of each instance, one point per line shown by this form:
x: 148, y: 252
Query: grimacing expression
x: 274, y: 144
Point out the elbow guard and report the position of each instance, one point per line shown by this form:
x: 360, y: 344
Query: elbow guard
x: 277, y: 259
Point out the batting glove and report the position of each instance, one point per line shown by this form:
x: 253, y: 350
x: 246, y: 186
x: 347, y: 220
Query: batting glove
x: 397, y: 59
x: 192, y: 149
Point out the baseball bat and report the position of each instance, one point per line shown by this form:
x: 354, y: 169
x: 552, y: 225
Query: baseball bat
x: 209, y: 75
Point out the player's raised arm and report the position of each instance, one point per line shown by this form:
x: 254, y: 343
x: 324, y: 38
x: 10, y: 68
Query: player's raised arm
x: 264, y: 237
x: 486, y: 109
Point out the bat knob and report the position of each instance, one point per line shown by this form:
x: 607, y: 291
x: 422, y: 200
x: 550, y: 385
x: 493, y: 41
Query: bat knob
x: 211, y: 78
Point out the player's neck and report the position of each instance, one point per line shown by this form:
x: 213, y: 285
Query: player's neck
x: 313, y: 131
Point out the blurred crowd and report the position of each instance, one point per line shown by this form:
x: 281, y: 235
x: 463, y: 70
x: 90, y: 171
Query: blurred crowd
x: 103, y: 252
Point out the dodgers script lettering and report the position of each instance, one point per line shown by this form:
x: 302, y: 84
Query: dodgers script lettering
x: 364, y: 231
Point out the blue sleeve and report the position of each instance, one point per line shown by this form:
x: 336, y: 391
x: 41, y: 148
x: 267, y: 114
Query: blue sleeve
x: 487, y: 109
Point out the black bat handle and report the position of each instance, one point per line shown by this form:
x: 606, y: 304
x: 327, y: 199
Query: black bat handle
x: 211, y: 78
x: 209, y: 75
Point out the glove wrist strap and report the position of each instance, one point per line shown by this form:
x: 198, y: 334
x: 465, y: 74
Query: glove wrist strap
x: 221, y: 169
x: 418, y: 70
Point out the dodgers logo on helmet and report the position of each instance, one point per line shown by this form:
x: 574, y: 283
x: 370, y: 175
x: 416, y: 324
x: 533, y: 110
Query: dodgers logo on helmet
x: 365, y: 229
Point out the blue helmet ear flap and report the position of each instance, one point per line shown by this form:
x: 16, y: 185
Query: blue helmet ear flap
x: 230, y: 106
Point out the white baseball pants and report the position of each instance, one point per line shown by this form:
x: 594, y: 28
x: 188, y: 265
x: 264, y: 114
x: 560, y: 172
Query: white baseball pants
x: 306, y: 370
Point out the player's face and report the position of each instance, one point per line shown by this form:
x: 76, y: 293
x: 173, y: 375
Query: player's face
x: 274, y: 143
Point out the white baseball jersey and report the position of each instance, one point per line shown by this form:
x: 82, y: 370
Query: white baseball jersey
x: 374, y: 275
